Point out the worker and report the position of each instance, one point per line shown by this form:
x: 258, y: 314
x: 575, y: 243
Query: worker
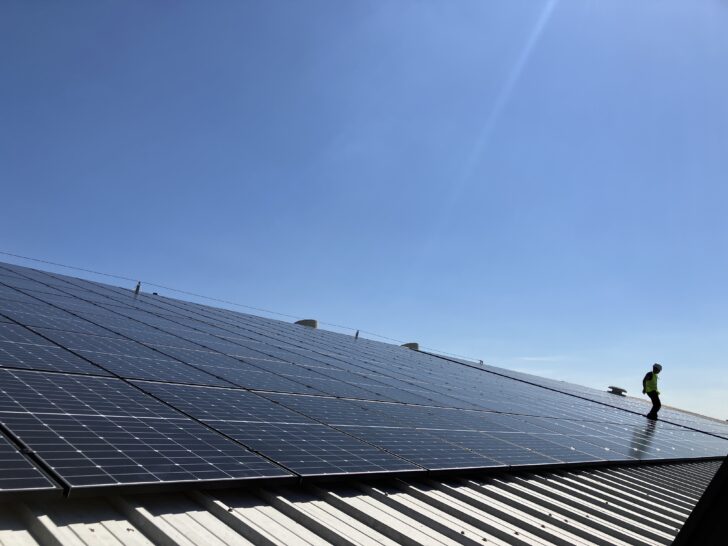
x: 649, y: 387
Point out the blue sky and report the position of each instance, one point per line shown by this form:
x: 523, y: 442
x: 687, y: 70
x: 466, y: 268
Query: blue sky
x: 538, y: 184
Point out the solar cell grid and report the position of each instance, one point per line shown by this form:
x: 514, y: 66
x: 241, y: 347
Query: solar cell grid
x: 353, y: 375
x: 13, y: 296
x: 130, y: 307
x: 408, y: 395
x: 200, y: 358
x: 60, y: 300
x: 332, y: 411
x: 560, y: 426
x: 30, y: 285
x: 44, y: 357
x: 95, y: 431
x: 497, y: 449
x: 313, y: 449
x: 85, y: 343
x: 17, y: 473
x: 7, y: 270
x: 252, y: 378
x: 542, y: 444
x: 22, y: 271
x: 582, y: 444
x: 19, y: 334
x: 58, y: 321
x: 282, y: 368
x: 180, y: 331
x: 700, y: 443
x: 222, y: 404
x: 87, y: 450
x: 81, y: 289
x: 514, y: 422
x: 420, y: 447
x: 608, y: 442
x: 108, y: 321
x: 416, y: 416
x: 41, y: 392
x: 155, y: 338
x: 335, y: 388
x: 87, y: 296
x: 294, y: 440
x: 7, y: 283
x: 233, y: 349
x: 311, y: 361
x: 173, y: 371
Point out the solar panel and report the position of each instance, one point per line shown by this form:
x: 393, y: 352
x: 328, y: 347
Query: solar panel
x: 21, y: 348
x: 95, y: 431
x: 130, y: 367
x: 65, y: 321
x: 628, y: 403
x: 18, y: 473
x: 455, y: 430
x: 200, y: 393
x: 85, y: 343
x: 508, y: 449
x: 421, y: 447
x: 296, y: 441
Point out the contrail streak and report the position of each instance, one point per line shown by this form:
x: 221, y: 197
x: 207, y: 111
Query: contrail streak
x: 491, y: 121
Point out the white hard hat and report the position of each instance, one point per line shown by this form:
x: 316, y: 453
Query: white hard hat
x: 657, y: 367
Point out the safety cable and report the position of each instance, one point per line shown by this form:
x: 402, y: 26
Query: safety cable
x: 227, y: 302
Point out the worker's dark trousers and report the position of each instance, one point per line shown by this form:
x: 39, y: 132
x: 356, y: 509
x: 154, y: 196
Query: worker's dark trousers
x: 656, y: 405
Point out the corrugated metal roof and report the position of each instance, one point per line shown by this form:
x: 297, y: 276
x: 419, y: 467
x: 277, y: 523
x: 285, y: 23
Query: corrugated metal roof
x: 615, y: 505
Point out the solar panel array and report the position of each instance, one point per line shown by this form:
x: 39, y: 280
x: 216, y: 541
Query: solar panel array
x: 100, y: 387
x: 636, y: 405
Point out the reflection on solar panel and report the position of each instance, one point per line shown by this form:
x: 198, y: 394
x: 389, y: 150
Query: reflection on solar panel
x: 108, y: 388
x: 693, y: 421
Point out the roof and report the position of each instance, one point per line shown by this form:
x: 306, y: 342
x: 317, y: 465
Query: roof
x: 128, y: 417
x: 617, y: 505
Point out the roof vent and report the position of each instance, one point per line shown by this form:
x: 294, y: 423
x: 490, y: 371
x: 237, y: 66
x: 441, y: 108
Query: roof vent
x: 311, y: 323
x: 619, y: 391
x: 414, y: 346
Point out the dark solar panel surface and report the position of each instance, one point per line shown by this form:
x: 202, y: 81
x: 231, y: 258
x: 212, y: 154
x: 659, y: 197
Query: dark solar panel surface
x: 148, y: 389
x: 95, y: 431
x: 18, y: 473
x: 298, y: 442
x: 21, y: 348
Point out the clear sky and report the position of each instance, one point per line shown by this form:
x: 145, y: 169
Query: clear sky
x: 538, y: 184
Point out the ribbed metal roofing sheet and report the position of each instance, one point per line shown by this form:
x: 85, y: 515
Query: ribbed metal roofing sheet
x: 615, y: 505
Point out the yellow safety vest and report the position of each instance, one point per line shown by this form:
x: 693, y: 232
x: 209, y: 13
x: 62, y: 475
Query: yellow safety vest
x: 651, y: 384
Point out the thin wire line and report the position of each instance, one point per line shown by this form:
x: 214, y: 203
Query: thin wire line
x: 147, y: 283
x: 228, y: 302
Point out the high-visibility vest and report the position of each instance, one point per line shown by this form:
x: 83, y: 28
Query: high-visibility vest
x: 651, y: 384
